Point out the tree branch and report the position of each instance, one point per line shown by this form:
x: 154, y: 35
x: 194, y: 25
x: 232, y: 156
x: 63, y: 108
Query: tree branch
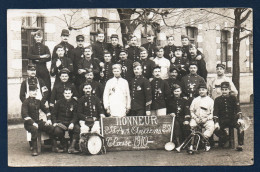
x: 217, y: 14
x: 240, y: 39
x: 245, y: 17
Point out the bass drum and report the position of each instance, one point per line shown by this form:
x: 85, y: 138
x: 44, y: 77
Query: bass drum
x: 91, y: 143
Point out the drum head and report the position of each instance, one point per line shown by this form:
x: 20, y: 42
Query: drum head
x: 94, y: 144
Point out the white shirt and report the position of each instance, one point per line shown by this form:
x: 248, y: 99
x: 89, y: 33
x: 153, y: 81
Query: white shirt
x: 116, y: 96
x: 165, y: 66
x: 202, y: 107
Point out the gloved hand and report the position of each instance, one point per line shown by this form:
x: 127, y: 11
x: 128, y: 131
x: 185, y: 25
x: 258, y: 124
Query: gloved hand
x: 216, y: 126
x: 71, y: 126
x: 172, y: 114
x: 186, y: 123
x: 48, y: 122
x: 35, y: 124
x: 240, y: 122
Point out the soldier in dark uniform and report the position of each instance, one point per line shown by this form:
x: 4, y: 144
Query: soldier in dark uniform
x: 76, y: 55
x: 202, y: 70
x: 150, y: 46
x: 160, y: 93
x: 65, y: 114
x: 42, y: 90
x: 97, y: 87
x: 99, y: 46
x: 181, y: 63
x: 114, y: 48
x: 228, y: 113
x: 185, y: 40
x: 88, y: 62
x: 40, y: 54
x: 60, y: 63
x: 173, y: 79
x: 178, y: 107
x: 127, y: 66
x: 140, y: 93
x: 89, y: 107
x: 170, y: 48
x: 58, y: 89
x: 64, y: 43
x: 147, y: 64
x: 30, y: 113
x: 133, y: 50
x: 106, y: 70
x: 191, y: 82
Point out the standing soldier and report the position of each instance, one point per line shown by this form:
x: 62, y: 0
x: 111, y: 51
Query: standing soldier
x: 202, y: 70
x: 185, y: 40
x: 58, y: 89
x: 106, y: 72
x: 64, y: 43
x: 228, y: 113
x: 76, y: 55
x: 160, y: 93
x: 214, y: 84
x: 64, y: 117
x: 99, y: 46
x: 170, y: 48
x: 40, y: 54
x: 140, y: 93
x: 59, y: 63
x: 150, y: 46
x: 114, y: 48
x: 164, y: 63
x: 32, y: 123
x: 191, y: 82
x: 127, y: 65
x: 180, y: 62
x: 88, y: 63
x: 146, y: 63
x: 97, y: 87
x: 116, y: 96
x: 42, y: 90
x: 178, y: 107
x: 89, y: 111
x: 133, y: 50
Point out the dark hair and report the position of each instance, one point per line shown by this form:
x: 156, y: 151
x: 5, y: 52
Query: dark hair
x: 67, y: 89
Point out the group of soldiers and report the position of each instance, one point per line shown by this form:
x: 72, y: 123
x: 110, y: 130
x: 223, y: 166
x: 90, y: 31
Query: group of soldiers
x: 109, y: 80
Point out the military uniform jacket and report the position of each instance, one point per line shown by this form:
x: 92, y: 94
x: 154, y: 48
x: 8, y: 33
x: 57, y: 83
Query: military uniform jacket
x: 186, y: 52
x: 190, y: 85
x: 67, y: 47
x: 180, y: 107
x: 114, y: 51
x: 33, y: 80
x: 31, y: 107
x: 226, y: 107
x: 172, y: 82
x: 58, y: 90
x: 147, y: 66
x: 89, y: 106
x: 182, y: 64
x: 202, y: 70
x: 133, y: 53
x: 141, y: 93
x: 160, y: 93
x: 65, y: 63
x: 36, y: 51
x: 89, y: 64
x: 108, y: 72
x: 98, y: 50
x: 169, y: 51
x: 65, y: 111
x: 97, y: 89
x: 127, y: 69
x: 76, y: 55
x: 151, y: 48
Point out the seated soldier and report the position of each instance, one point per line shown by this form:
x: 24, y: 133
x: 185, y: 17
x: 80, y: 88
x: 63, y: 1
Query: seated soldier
x: 58, y: 89
x: 64, y: 117
x: 228, y: 113
x: 201, y: 110
x: 30, y: 113
x: 89, y: 111
x: 178, y: 107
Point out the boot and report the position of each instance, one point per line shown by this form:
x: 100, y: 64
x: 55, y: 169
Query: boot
x: 34, y: 146
x: 72, y: 147
x: 55, y: 147
x: 64, y: 144
x: 177, y: 142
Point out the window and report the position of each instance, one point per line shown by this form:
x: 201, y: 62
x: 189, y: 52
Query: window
x: 224, y: 46
x: 251, y: 53
x: 98, y: 25
x: 192, y: 32
x: 29, y: 26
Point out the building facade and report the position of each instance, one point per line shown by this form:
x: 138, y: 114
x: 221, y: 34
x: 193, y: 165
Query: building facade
x: 214, y: 39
